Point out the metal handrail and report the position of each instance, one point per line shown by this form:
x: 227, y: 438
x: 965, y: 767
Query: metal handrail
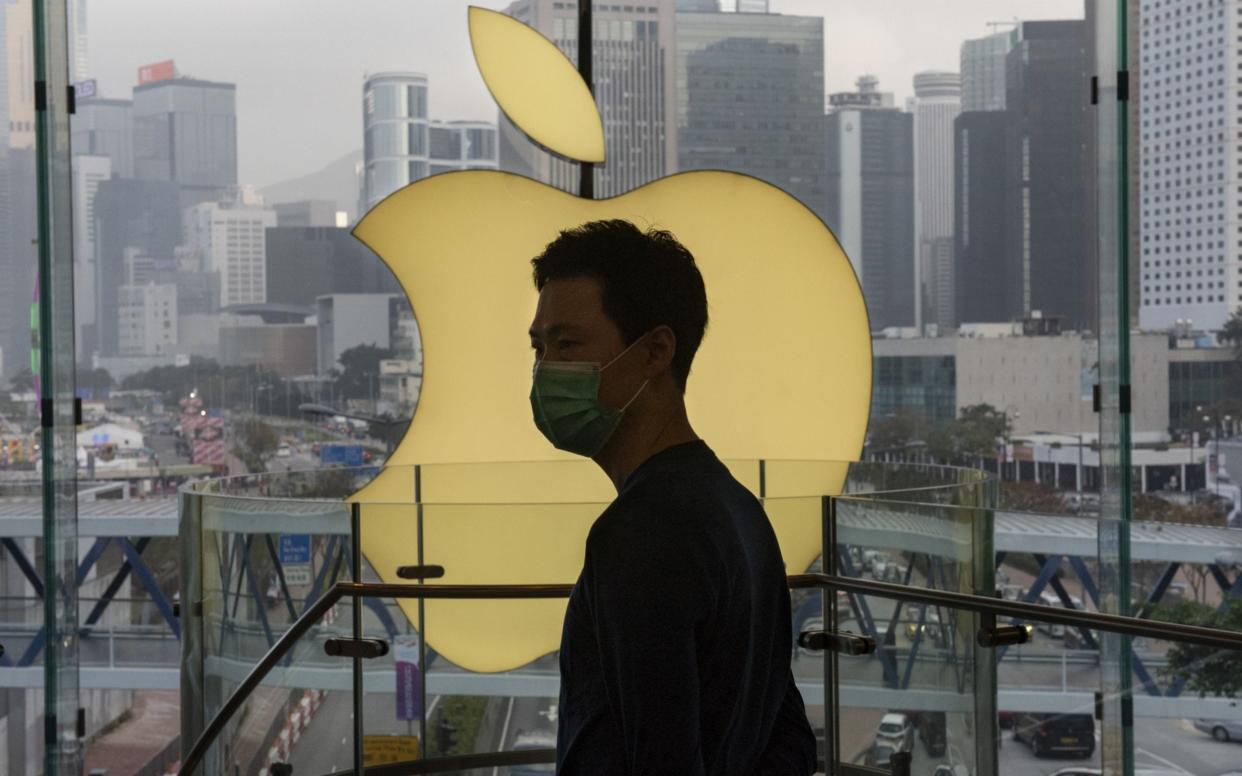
x: 1020, y: 610
x: 1167, y: 631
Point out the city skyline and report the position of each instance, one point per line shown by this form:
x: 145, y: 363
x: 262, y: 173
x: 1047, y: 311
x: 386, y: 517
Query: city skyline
x: 432, y: 38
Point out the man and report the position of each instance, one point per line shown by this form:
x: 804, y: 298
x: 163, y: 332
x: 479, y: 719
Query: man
x: 676, y: 642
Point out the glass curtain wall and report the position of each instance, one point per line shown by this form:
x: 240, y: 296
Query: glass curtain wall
x: 1044, y: 247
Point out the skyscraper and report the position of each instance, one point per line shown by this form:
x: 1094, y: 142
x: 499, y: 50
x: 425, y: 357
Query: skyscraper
x: 230, y: 239
x: 870, y: 187
x: 103, y: 127
x: 394, y: 122
x: 748, y: 99
x: 1189, y: 169
x: 937, y: 102
x: 982, y: 213
x: 88, y: 172
x: 130, y: 216
x: 633, y: 82
x: 401, y: 144
x: 185, y: 131
x: 1048, y: 171
x: 983, y: 72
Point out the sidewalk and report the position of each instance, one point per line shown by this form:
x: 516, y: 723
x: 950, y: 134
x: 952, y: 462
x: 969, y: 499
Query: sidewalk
x: 153, y: 724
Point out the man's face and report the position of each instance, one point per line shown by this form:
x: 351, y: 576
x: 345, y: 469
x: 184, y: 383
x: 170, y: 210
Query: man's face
x: 570, y: 325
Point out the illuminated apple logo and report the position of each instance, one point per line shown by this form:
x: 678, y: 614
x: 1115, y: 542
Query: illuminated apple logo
x: 784, y: 372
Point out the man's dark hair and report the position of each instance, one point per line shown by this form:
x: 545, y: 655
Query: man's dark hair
x: 646, y: 279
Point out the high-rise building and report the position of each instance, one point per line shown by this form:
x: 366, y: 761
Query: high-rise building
x: 1190, y: 254
x: 147, y: 323
x: 633, y: 74
x: 401, y: 144
x: 304, y: 263
x: 17, y: 79
x: 983, y: 72
x: 1048, y: 171
x: 461, y: 145
x: 103, y: 127
x: 748, y: 99
x: 701, y: 6
x: 79, y: 62
x: 752, y: 6
x: 937, y: 102
x: 394, y: 122
x: 88, y: 172
x: 185, y: 131
x: 230, y: 239
x: 870, y: 187
x: 130, y: 215
x: 982, y: 213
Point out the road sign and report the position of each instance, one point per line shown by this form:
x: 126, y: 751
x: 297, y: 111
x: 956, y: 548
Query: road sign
x: 294, y: 549
x: 299, y: 574
x: 382, y: 750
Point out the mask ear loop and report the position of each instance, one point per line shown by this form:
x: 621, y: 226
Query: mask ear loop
x: 641, y: 388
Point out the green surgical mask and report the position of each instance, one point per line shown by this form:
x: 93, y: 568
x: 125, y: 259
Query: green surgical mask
x: 564, y: 396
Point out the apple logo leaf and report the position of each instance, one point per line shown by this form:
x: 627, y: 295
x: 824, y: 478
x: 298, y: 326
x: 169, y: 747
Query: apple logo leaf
x: 536, y: 86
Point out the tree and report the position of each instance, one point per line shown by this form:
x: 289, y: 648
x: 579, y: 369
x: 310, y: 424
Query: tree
x: 257, y: 443
x: 1206, y: 670
x: 896, y: 431
x: 1231, y: 334
x: 97, y: 381
x: 1032, y: 497
x: 971, y: 436
x: 359, y: 374
x: 23, y: 381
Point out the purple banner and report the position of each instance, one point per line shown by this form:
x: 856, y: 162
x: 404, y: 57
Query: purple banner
x: 409, y: 677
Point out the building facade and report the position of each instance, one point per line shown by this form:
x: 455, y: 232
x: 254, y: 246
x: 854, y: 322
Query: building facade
x: 982, y: 213
x: 1190, y: 208
x: 304, y: 263
x: 748, y: 99
x: 633, y: 69
x: 185, y: 131
x: 870, y: 186
x: 230, y: 239
x: 983, y: 72
x: 88, y: 172
x: 937, y: 103
x: 1048, y: 169
x: 147, y: 324
x: 103, y: 127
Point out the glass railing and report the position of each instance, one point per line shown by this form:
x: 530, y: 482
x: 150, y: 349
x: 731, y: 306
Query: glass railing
x: 464, y: 592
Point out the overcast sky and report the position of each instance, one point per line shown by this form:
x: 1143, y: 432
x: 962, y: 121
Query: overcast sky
x: 299, y: 64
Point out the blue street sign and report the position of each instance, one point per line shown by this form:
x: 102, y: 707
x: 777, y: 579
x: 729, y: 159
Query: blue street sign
x: 295, y: 548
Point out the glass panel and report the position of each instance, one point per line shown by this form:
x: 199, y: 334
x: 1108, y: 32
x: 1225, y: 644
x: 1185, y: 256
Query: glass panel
x: 263, y: 561
x: 927, y: 661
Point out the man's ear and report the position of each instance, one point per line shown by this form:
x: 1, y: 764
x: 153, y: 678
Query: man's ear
x: 661, y: 346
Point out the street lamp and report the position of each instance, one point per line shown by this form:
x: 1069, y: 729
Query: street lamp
x: 386, y: 421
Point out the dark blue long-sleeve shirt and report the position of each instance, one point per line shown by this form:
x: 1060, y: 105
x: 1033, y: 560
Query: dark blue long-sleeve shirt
x: 676, y: 644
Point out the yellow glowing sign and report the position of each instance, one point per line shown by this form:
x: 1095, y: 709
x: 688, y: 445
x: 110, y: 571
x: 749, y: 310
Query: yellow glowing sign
x: 536, y: 86
x: 783, y: 373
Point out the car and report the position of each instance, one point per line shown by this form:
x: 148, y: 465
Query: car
x: 896, y: 728
x: 530, y: 740
x: 283, y: 451
x: 1220, y: 729
x: 880, y: 755
x: 932, y: 732
x: 1006, y: 719
x: 1051, y: 734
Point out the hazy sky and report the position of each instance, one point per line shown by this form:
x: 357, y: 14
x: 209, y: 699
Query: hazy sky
x: 299, y: 64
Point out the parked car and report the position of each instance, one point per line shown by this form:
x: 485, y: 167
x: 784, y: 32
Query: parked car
x: 896, y: 728
x: 1221, y: 729
x: 1006, y: 719
x: 932, y: 732
x: 1049, y: 734
x: 284, y: 451
x: 880, y: 755
x: 535, y: 739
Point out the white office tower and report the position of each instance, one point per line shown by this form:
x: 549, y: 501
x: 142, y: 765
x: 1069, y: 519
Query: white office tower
x: 230, y: 238
x: 937, y: 101
x: 1189, y: 165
